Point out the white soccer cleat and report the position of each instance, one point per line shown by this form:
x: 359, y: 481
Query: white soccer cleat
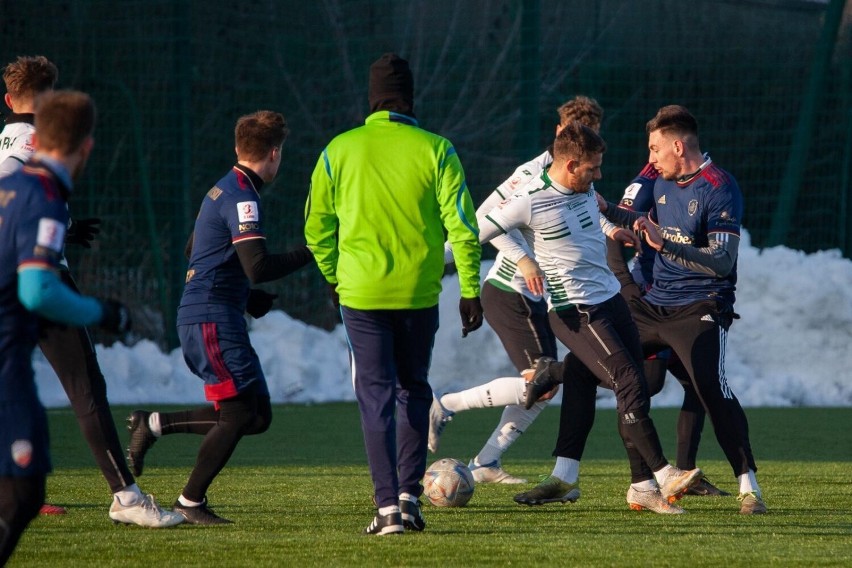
x: 438, y: 419
x: 651, y: 500
x: 145, y: 513
x: 677, y: 482
x: 492, y: 473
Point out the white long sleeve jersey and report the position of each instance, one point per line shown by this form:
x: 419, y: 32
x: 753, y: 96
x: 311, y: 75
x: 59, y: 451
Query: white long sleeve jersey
x: 16, y: 146
x: 567, y: 235
x: 504, y: 272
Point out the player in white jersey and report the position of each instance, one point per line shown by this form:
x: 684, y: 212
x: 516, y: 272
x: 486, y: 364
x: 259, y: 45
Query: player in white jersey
x: 558, y: 216
x: 70, y: 350
x: 518, y: 317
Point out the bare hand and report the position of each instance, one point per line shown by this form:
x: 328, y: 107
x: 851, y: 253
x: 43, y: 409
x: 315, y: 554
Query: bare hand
x: 650, y: 232
x: 627, y: 238
x: 532, y: 274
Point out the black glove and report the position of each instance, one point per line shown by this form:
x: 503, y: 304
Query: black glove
x: 471, y: 315
x: 259, y: 302
x: 116, y: 318
x: 335, y: 298
x: 82, y: 232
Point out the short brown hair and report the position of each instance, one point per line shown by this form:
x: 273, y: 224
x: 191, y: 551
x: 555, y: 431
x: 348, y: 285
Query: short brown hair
x: 258, y: 133
x: 27, y: 77
x: 63, y: 120
x: 675, y: 119
x: 578, y: 142
x: 582, y: 109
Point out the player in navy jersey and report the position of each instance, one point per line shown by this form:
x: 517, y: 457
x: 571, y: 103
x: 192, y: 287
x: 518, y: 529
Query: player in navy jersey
x: 227, y: 253
x: 33, y: 220
x: 694, y: 225
x: 70, y: 350
x: 639, y: 196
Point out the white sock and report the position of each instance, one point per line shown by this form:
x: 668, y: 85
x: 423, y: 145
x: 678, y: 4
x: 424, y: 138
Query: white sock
x: 499, y: 392
x: 663, y: 472
x: 128, y: 496
x: 748, y: 483
x: 567, y: 470
x: 388, y: 510
x: 647, y: 485
x: 154, y: 424
x: 407, y: 497
x: 187, y: 503
x: 514, y: 422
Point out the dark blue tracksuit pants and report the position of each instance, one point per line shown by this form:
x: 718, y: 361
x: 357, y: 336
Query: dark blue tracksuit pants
x: 390, y: 352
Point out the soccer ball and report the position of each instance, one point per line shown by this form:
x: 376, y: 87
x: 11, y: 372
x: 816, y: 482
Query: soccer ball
x: 448, y: 483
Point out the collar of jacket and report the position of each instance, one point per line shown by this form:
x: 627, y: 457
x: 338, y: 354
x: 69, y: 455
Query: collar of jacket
x: 391, y: 117
x: 26, y: 117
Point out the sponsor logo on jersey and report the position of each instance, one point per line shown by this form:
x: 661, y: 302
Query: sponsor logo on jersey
x: 675, y: 236
x: 246, y: 227
x: 632, y: 191
x: 514, y: 182
x: 247, y: 211
x: 627, y: 202
x: 692, y: 207
x: 214, y: 193
x: 51, y: 234
x: 707, y: 317
x: 662, y: 200
x: 22, y: 453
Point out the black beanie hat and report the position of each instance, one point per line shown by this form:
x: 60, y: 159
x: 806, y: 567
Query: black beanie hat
x: 391, y: 85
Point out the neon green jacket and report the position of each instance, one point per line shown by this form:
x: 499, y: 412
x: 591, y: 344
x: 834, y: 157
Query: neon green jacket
x: 382, y: 196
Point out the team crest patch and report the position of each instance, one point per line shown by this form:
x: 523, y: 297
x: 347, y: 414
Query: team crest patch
x: 22, y: 453
x: 247, y: 211
x: 632, y: 190
x: 51, y: 234
x: 693, y: 207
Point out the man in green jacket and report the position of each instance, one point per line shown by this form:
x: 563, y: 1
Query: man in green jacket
x: 382, y: 196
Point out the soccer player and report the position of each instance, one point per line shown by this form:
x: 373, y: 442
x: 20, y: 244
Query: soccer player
x: 228, y: 253
x: 694, y: 225
x: 639, y: 196
x: 33, y: 219
x: 381, y: 197
x: 70, y: 350
x: 558, y: 216
x: 519, y: 318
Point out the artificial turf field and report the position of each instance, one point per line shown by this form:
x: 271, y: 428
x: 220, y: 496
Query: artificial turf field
x: 299, y: 495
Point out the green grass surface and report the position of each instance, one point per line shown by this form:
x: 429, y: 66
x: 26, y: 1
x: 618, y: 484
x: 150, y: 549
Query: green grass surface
x: 299, y: 495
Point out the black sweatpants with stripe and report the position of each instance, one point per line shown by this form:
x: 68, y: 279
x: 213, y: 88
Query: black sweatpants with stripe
x: 698, y: 333
x: 603, y: 339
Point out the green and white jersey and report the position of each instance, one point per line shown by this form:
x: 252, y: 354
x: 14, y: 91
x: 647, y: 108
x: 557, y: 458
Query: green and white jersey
x: 567, y: 235
x: 504, y: 273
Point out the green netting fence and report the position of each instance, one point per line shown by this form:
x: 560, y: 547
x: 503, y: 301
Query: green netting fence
x: 770, y: 82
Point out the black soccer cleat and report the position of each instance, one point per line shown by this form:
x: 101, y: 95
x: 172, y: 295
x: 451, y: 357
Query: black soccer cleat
x: 412, y: 515
x: 541, y: 382
x: 386, y: 524
x: 141, y: 440
x: 199, y: 515
x: 706, y: 489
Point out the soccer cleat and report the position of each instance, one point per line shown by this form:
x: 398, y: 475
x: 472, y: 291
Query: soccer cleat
x: 438, y: 419
x: 550, y: 490
x: 386, y: 524
x: 676, y: 483
x: 541, y: 383
x: 48, y: 509
x: 412, y: 515
x: 706, y: 489
x: 145, y: 513
x: 141, y: 440
x: 751, y: 503
x: 200, y: 514
x: 651, y: 500
x: 492, y: 473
